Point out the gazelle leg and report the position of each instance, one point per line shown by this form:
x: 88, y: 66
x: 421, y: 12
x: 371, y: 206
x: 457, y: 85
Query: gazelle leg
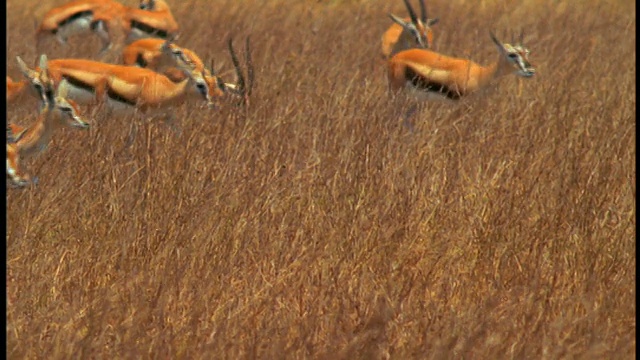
x: 170, y: 120
x: 168, y: 116
x: 19, y: 178
x: 100, y: 28
x: 133, y: 130
x: 406, y: 118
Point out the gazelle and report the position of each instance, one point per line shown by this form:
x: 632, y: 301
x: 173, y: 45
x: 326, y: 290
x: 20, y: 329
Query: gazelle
x: 408, y: 33
x: 78, y: 17
x: 107, y: 19
x: 162, y: 56
x: 432, y: 73
x: 57, y: 111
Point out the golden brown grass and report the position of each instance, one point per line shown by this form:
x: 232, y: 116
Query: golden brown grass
x: 316, y: 226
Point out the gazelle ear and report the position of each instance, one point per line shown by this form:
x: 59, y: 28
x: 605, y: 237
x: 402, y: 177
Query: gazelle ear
x: 43, y: 62
x: 23, y: 67
x: 170, y: 40
x: 399, y: 21
x: 165, y: 45
x: 63, y: 89
x: 432, y: 22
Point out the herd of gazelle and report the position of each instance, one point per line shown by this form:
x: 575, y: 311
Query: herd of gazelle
x: 157, y: 73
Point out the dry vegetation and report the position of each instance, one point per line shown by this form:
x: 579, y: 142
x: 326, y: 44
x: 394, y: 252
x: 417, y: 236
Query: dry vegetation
x: 316, y: 225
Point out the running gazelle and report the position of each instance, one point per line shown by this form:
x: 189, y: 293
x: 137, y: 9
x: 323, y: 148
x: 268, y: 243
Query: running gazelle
x: 108, y: 19
x: 163, y: 55
x: 431, y: 73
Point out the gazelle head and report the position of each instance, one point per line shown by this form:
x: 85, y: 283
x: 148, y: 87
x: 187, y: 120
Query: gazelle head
x: 196, y: 76
x: 68, y: 109
x: 172, y: 54
x: 40, y: 83
x: 416, y: 32
x: 517, y: 55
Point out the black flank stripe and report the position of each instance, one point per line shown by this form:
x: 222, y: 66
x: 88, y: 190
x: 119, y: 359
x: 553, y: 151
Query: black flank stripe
x: 75, y: 17
x: 94, y: 24
x: 114, y: 96
x: 430, y: 86
x: 148, y: 29
x: 140, y: 61
x: 79, y: 84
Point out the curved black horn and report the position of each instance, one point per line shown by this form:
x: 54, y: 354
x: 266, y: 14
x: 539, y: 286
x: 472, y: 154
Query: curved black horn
x: 236, y: 64
x: 495, y: 39
x: 250, y: 71
x: 423, y: 11
x: 412, y: 13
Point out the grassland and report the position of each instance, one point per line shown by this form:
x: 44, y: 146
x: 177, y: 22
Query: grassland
x: 314, y: 225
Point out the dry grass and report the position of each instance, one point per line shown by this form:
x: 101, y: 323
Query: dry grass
x: 316, y: 226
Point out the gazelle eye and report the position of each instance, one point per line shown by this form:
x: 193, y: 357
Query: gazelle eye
x: 513, y: 55
x: 202, y: 88
x: 66, y: 109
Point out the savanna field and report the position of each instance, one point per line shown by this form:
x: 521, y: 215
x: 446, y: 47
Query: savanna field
x: 316, y: 223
